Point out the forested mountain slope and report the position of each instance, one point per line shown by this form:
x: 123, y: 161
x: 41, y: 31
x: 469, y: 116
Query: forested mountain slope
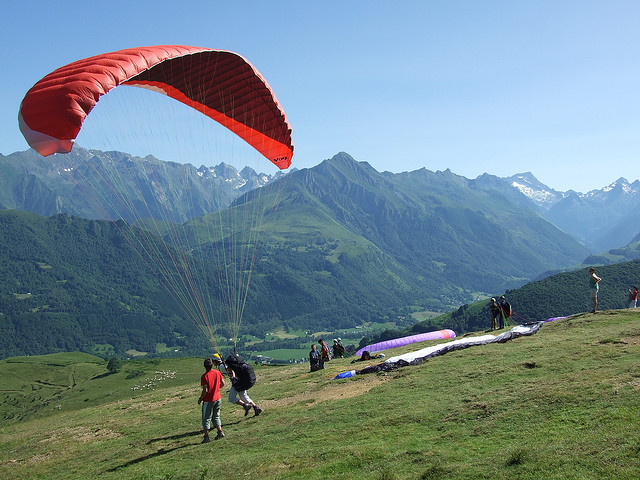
x: 341, y: 244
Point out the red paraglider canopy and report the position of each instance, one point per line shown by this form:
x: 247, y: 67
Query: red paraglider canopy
x: 223, y: 85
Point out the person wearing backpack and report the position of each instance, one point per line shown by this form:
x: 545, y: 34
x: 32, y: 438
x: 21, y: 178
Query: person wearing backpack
x: 505, y: 308
x: 325, y: 353
x: 242, y: 379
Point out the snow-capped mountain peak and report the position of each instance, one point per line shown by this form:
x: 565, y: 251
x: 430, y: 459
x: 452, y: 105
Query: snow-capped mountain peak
x: 536, y: 191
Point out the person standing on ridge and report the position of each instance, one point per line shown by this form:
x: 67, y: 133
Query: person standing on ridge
x: 211, y: 382
x: 505, y: 311
x: 633, y: 297
x: 594, y: 286
x: 495, y: 313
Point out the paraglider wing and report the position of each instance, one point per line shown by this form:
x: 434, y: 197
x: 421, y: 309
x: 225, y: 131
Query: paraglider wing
x: 419, y: 356
x: 220, y: 84
x: 400, y: 342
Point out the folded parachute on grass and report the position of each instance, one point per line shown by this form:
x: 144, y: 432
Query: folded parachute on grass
x: 419, y: 356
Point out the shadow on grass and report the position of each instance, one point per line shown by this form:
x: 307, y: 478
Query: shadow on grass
x: 162, y: 451
x: 177, y: 436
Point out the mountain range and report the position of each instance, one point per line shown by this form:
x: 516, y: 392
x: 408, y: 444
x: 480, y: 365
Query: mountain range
x: 341, y: 244
x: 455, y: 235
x: 70, y: 184
x: 600, y: 219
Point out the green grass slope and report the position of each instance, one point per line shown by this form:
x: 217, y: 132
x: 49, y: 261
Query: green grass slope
x: 561, y: 404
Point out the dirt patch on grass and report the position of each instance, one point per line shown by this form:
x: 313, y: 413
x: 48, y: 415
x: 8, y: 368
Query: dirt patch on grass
x: 332, y: 391
x: 146, y: 405
x: 36, y: 459
x: 81, y: 434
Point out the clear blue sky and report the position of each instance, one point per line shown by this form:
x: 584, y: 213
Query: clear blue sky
x: 551, y: 87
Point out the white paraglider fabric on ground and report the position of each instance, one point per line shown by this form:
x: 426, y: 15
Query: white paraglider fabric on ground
x: 418, y: 356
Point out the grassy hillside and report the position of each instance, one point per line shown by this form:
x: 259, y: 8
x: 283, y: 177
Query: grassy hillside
x: 561, y: 404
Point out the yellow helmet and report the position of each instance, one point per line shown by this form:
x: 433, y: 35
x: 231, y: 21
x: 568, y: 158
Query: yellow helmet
x: 216, y: 358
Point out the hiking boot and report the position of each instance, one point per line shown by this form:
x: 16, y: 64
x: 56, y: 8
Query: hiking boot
x: 219, y: 436
x: 206, y: 439
x: 247, y: 409
x: 257, y: 410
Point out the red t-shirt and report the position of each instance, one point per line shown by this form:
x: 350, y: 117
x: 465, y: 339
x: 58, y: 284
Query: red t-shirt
x: 212, y: 378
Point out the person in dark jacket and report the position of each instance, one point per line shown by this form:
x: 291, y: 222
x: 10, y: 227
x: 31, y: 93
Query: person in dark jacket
x: 239, y: 386
x: 495, y: 313
x: 314, y: 358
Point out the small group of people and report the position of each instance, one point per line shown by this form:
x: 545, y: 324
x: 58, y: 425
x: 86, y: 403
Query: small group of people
x: 594, y: 286
x: 242, y: 378
x: 500, y: 311
x: 317, y: 358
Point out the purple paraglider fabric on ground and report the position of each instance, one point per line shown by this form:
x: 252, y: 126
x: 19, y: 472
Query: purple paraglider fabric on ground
x: 402, y: 341
x: 419, y: 356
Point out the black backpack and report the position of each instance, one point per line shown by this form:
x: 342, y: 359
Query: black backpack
x: 246, y: 377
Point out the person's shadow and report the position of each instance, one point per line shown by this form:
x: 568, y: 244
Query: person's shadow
x: 164, y: 451
x: 177, y: 436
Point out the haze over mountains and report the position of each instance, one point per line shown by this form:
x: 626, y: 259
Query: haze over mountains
x: 342, y: 244
x: 54, y: 185
x: 436, y: 224
x: 600, y: 219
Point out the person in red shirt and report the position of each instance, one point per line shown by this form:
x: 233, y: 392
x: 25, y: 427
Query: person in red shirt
x: 211, y: 382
